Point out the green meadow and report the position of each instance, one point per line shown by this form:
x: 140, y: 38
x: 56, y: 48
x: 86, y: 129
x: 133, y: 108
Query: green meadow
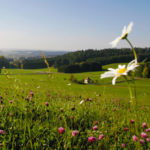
x: 59, y: 82
x: 36, y: 103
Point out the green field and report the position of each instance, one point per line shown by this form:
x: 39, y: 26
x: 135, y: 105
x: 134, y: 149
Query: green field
x: 30, y: 124
x: 58, y: 82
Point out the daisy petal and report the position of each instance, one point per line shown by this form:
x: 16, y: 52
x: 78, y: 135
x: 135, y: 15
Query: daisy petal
x: 114, y: 80
x: 121, y: 66
x: 115, y: 42
x: 107, y: 74
x: 129, y: 28
x: 125, y: 74
x: 124, y: 31
x: 111, y: 69
x: 131, y: 63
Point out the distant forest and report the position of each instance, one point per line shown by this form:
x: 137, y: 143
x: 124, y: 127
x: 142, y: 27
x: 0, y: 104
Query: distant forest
x: 81, y: 61
x: 89, y: 60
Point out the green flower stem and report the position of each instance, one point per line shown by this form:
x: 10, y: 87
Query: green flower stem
x: 130, y: 90
x: 135, y: 55
x: 133, y: 81
x: 134, y: 52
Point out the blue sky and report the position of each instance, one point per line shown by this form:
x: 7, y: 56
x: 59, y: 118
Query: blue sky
x: 72, y: 24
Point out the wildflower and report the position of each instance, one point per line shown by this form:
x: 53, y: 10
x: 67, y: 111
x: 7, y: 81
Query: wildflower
x: 69, y: 84
x: 132, y: 121
x: 92, y: 139
x: 10, y: 101
x: 148, y: 130
x: 148, y: 139
x: 95, y: 128
x: 95, y: 122
x: 61, y: 130
x: 2, y: 132
x: 142, y: 141
x: 144, y: 125
x: 30, y: 98
x: 144, y: 135
x: 123, y: 145
x: 101, y: 136
x: 135, y: 138
x: 74, y: 133
x: 125, y: 129
x: 71, y: 117
x: 46, y: 103
x: 121, y: 70
x: 73, y: 108
x: 88, y: 99
x: 26, y: 98
x: 125, y: 32
x: 31, y: 94
x: 61, y: 109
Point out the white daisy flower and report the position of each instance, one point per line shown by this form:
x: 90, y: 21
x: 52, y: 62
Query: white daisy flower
x: 125, y: 32
x: 121, y: 70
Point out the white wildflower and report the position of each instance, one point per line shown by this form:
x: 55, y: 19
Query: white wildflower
x: 125, y: 32
x: 121, y: 70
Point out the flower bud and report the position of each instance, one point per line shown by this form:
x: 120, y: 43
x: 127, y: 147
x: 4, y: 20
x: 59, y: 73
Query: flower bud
x: 61, y: 130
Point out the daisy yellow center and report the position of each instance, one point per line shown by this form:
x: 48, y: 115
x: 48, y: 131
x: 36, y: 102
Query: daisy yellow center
x: 122, y: 70
x: 125, y: 36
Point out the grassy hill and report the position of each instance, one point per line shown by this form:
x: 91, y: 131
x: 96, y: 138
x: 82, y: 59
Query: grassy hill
x: 41, y: 111
x: 101, y: 86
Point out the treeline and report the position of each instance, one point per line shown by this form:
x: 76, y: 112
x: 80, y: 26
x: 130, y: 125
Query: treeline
x: 73, y: 61
x: 80, y: 61
x: 4, y: 62
x: 83, y: 67
x: 105, y: 56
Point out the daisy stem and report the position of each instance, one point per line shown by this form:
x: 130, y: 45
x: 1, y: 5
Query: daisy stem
x: 135, y: 55
x: 130, y: 89
x: 132, y: 48
x: 133, y: 80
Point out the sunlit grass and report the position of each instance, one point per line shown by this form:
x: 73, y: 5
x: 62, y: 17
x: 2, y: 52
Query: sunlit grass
x: 31, y: 124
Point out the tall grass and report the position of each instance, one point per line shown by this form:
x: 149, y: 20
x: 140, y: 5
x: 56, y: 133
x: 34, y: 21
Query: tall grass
x: 31, y: 123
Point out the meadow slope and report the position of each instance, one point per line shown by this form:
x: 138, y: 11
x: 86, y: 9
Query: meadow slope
x: 35, y: 105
